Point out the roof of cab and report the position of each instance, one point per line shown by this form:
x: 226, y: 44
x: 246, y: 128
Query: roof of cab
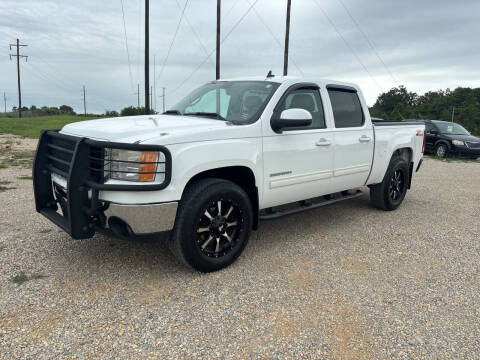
x: 291, y: 79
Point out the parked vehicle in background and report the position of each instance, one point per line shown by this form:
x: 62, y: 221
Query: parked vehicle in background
x: 445, y: 138
x: 230, y: 153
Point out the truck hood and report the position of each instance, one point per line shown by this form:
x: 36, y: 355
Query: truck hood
x: 170, y: 128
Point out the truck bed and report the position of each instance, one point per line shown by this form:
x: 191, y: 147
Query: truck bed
x: 393, y: 123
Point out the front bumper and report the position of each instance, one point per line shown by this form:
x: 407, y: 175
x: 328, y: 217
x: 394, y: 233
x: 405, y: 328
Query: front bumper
x: 143, y: 219
x: 81, y: 163
x: 466, y: 151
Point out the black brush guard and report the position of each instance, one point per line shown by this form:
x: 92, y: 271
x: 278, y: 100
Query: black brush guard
x: 81, y: 162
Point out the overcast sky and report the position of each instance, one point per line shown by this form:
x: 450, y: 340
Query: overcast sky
x: 425, y: 45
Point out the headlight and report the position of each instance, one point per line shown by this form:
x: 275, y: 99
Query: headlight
x: 134, y: 165
x: 458, y: 142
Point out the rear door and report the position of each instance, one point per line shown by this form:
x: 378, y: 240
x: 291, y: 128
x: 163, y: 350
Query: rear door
x: 354, y: 142
x: 298, y: 162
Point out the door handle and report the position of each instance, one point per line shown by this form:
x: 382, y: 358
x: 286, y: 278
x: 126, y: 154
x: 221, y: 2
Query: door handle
x: 323, y: 142
x: 364, y: 138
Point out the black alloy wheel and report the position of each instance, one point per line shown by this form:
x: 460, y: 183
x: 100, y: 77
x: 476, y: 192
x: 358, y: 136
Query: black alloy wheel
x: 219, y: 228
x: 213, y: 224
x: 397, y: 184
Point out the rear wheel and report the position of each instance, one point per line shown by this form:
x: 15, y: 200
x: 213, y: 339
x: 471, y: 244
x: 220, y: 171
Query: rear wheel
x: 389, y: 194
x: 441, y: 150
x: 213, y: 224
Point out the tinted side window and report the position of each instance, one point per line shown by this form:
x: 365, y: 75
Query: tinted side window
x: 429, y: 127
x: 347, y: 110
x: 307, y: 99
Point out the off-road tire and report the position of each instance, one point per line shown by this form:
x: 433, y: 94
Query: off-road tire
x: 381, y: 194
x: 185, y: 241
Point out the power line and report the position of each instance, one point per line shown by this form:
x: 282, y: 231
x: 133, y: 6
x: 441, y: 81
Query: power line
x: 194, y: 32
x: 49, y: 78
x: 274, y: 37
x: 210, y: 54
x: 173, y: 40
x: 126, y: 46
x: 231, y: 9
x: 357, y: 25
x: 347, y: 44
x: 54, y: 73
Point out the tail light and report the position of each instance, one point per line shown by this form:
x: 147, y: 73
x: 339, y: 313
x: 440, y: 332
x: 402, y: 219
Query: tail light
x: 424, y: 140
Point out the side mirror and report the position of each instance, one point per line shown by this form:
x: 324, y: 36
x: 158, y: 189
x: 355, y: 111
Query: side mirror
x: 291, y: 118
x: 434, y: 132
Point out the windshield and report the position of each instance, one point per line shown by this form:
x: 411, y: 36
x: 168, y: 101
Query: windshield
x: 452, y: 129
x: 240, y: 102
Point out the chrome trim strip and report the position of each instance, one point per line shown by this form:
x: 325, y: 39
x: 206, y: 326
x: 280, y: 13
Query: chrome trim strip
x: 351, y: 170
x: 300, y: 179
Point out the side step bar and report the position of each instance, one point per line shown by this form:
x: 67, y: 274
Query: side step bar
x: 305, y: 205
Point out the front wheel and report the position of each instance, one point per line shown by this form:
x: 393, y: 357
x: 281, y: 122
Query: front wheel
x: 441, y: 151
x: 389, y: 194
x: 214, y: 222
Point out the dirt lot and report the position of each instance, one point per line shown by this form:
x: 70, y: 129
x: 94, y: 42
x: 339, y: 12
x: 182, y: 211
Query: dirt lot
x: 342, y: 282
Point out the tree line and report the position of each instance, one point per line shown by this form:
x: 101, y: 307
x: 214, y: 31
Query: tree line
x: 68, y: 110
x: 463, y: 104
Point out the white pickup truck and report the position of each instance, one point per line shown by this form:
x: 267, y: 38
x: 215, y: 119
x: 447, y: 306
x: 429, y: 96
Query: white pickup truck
x: 230, y: 153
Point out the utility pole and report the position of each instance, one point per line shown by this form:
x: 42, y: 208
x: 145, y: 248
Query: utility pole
x: 138, y: 95
x: 5, y: 101
x: 163, y: 96
x: 18, y: 56
x: 287, y: 38
x: 147, y: 55
x: 151, y: 95
x: 84, y: 102
x: 219, y: 13
x: 453, y: 113
x: 154, y: 84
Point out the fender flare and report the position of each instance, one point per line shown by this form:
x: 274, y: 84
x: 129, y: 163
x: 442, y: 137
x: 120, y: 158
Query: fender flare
x: 443, y: 141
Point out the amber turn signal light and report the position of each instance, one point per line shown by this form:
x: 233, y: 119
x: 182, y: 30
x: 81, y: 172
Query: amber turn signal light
x: 148, y: 159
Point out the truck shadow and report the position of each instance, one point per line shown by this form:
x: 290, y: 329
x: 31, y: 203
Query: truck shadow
x: 148, y: 254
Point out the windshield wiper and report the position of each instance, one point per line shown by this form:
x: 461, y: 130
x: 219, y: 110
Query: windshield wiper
x: 172, y: 112
x: 206, y: 114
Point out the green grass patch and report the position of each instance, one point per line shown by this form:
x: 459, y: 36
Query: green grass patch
x: 11, y: 157
x: 5, y: 188
x: 451, y: 159
x: 31, y: 127
x: 25, y: 177
x: 23, y: 278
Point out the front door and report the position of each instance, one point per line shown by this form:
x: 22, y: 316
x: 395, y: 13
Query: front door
x: 298, y: 163
x: 431, y: 137
x: 353, y: 139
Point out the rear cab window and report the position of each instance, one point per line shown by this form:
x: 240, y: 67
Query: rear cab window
x: 346, y: 107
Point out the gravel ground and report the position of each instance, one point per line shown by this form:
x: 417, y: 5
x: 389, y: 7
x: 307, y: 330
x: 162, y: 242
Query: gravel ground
x: 341, y: 282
